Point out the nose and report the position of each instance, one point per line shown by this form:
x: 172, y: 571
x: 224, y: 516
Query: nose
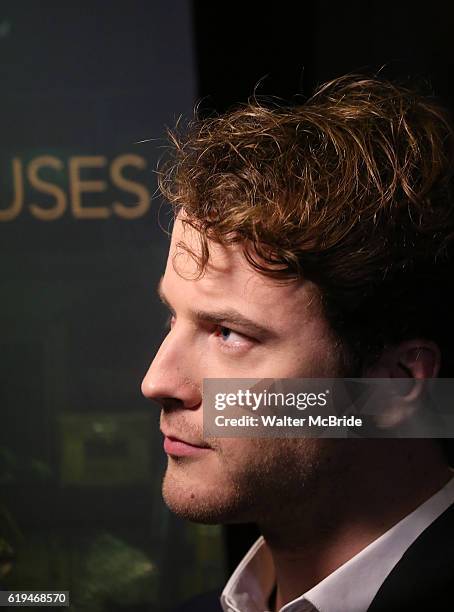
x: 172, y: 375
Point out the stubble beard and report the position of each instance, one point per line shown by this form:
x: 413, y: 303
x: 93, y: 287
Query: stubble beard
x: 276, y: 482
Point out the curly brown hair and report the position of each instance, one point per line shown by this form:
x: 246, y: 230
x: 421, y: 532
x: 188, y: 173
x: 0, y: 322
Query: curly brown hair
x: 351, y: 189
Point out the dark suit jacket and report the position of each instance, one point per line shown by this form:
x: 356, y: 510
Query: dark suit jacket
x: 424, y: 577
x: 423, y: 580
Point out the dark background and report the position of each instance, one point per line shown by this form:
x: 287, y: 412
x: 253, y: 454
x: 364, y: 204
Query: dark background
x: 288, y: 49
x: 79, y: 322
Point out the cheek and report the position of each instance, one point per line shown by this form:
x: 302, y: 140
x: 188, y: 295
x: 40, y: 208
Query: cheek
x: 269, y: 458
x: 238, y: 454
x: 313, y: 358
x: 217, y: 363
x: 257, y: 455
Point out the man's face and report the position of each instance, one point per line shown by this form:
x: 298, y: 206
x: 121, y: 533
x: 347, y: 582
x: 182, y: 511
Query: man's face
x: 235, y: 323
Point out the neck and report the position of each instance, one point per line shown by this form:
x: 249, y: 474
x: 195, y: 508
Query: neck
x: 310, y: 542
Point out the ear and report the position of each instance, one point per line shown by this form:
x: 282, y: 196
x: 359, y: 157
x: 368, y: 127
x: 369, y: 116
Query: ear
x: 414, y: 360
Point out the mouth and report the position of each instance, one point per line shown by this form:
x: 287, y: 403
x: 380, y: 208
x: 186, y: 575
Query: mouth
x: 181, y: 448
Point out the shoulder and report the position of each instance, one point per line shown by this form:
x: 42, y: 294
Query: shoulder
x: 424, y: 577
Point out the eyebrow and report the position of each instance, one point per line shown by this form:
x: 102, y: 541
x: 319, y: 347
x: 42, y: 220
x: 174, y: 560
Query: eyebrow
x: 226, y: 317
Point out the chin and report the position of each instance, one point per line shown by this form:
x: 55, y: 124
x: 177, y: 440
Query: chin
x: 201, y: 500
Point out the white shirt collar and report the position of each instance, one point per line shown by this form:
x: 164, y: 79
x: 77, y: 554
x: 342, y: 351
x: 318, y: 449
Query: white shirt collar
x: 251, y: 584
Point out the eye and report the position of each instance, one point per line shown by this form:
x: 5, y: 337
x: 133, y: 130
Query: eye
x: 231, y: 339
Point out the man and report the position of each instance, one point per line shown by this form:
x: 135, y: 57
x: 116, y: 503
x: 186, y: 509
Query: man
x: 313, y: 241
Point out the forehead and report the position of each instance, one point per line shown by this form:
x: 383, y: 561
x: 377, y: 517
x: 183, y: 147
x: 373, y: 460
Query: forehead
x: 228, y: 277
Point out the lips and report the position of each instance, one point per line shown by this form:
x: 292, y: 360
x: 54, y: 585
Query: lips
x: 182, y: 448
x: 189, y: 444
